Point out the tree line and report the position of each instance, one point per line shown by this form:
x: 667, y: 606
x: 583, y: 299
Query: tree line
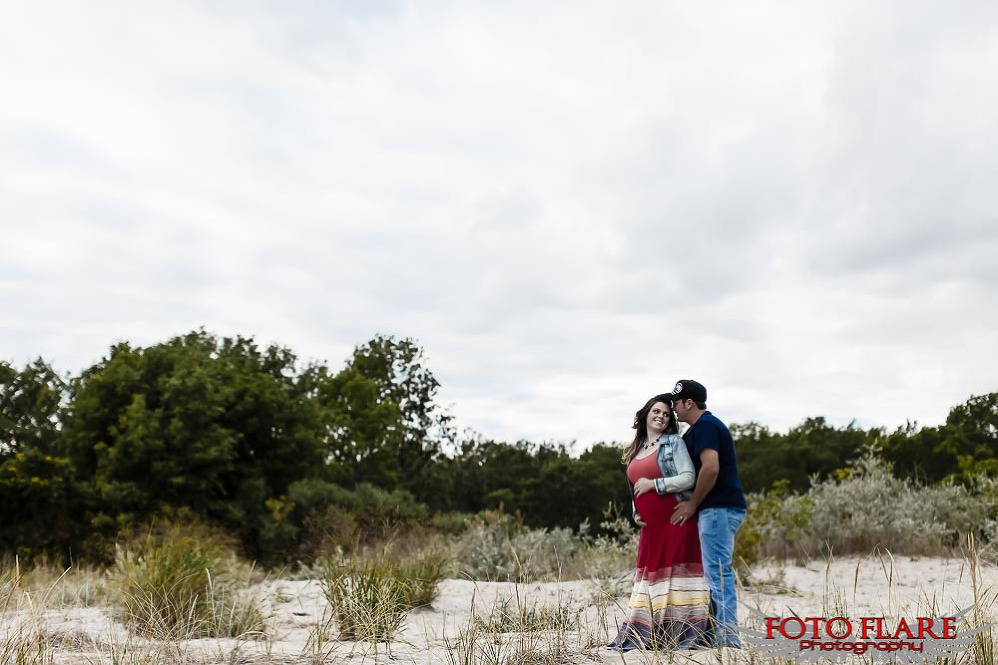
x: 963, y: 447
x: 278, y: 452
x: 262, y: 445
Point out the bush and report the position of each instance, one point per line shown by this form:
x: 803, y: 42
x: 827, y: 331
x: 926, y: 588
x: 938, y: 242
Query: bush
x: 864, y: 507
x: 327, y: 533
x: 871, y: 507
x: 609, y: 557
x: 774, y: 526
x: 486, y: 550
x: 497, y: 547
x: 336, y: 520
x: 179, y: 584
x: 453, y: 524
x: 371, y: 598
x: 423, y: 574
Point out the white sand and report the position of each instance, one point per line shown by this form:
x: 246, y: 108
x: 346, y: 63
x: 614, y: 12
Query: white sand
x: 872, y: 586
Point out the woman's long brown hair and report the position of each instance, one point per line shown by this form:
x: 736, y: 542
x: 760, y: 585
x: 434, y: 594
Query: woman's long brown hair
x: 641, y: 425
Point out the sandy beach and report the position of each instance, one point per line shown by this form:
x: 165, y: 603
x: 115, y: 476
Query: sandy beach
x: 558, y: 621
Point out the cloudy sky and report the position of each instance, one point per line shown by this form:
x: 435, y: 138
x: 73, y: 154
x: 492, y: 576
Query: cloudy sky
x: 569, y: 205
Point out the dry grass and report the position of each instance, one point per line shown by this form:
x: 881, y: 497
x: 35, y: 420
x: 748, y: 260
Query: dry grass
x: 517, y: 632
x: 499, y: 624
x: 22, y: 637
x: 370, y: 597
x: 180, y: 585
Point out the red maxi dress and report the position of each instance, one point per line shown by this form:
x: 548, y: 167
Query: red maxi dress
x: 670, y: 601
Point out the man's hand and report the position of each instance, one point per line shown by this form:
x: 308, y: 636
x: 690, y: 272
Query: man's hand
x: 683, y: 513
x: 706, y: 477
x: 644, y: 485
x: 640, y: 522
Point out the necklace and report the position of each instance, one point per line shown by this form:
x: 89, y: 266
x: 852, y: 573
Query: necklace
x: 648, y: 444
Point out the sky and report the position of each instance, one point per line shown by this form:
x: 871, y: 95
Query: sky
x: 568, y: 205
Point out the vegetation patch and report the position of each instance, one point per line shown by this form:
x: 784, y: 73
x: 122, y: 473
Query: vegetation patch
x: 371, y: 597
x: 180, y: 584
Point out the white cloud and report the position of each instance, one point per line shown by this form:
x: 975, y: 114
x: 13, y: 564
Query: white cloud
x: 569, y: 205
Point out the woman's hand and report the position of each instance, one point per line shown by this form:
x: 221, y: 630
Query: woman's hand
x: 644, y: 485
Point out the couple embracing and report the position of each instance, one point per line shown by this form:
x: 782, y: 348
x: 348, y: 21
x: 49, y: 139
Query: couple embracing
x: 689, y: 503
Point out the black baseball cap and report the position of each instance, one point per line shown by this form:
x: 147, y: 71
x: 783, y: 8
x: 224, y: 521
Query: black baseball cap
x: 688, y: 389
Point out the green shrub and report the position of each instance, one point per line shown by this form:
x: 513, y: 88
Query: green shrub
x: 179, y: 584
x: 863, y: 507
x: 368, y: 602
x: 370, y: 598
x: 496, y: 546
x: 773, y: 526
x: 336, y: 520
x: 327, y: 533
x: 423, y: 574
x: 453, y: 524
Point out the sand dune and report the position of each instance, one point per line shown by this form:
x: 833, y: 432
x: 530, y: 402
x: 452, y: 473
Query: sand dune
x: 443, y: 632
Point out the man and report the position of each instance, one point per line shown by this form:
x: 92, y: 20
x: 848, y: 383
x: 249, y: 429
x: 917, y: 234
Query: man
x: 719, y: 499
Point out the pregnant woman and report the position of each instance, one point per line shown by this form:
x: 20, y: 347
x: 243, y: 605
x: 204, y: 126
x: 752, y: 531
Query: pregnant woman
x: 669, y: 604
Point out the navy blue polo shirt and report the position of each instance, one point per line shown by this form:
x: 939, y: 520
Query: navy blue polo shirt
x: 709, y: 432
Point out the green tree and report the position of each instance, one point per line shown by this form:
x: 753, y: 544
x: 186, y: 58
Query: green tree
x: 762, y: 456
x: 544, y: 483
x: 919, y: 453
x: 31, y: 402
x: 812, y: 449
x: 215, y: 426
x: 972, y: 433
x: 966, y: 445
x: 39, y: 504
x: 385, y: 418
x: 363, y: 430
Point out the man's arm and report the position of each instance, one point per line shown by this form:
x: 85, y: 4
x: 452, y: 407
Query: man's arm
x: 710, y: 467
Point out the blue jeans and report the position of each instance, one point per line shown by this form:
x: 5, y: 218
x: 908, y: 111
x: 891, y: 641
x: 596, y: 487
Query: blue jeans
x: 717, y: 542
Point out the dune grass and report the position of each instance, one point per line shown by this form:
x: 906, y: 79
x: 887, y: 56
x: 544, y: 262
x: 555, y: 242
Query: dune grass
x: 371, y: 596
x: 181, y: 584
x: 185, y: 596
x: 22, y: 636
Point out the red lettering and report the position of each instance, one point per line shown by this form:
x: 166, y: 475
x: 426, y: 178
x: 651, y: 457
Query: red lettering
x: 903, y: 625
x: 880, y: 629
x: 828, y: 628
x: 814, y: 626
x: 783, y: 628
x: 866, y: 624
x: 772, y: 623
x: 949, y: 628
x: 925, y: 628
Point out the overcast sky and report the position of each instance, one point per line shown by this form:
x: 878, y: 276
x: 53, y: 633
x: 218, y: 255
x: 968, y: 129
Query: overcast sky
x: 568, y: 205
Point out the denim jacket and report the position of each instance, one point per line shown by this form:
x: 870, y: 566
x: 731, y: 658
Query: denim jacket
x: 678, y: 473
